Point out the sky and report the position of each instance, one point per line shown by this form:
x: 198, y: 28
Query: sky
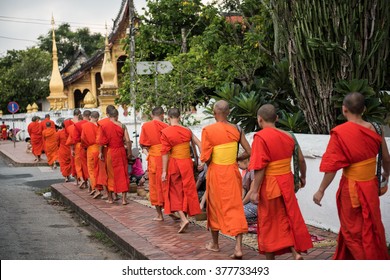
x: 23, y: 21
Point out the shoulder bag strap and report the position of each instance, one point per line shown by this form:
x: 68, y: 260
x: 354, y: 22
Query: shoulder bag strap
x: 296, y: 163
x: 379, y: 161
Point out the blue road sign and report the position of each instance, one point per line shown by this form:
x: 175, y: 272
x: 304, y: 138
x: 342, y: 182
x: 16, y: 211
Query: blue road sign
x: 13, y: 107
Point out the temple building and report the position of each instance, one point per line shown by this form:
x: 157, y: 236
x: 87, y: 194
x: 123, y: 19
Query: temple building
x: 97, y: 77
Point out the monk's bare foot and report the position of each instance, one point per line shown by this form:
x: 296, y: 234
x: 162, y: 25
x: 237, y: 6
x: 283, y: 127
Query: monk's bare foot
x: 183, y: 227
x: 105, y: 197
x: 83, y: 185
x: 97, y: 194
x: 158, y: 219
x: 92, y: 192
x: 236, y: 256
x: 298, y: 257
x: 124, y: 202
x: 174, y: 217
x: 212, y: 247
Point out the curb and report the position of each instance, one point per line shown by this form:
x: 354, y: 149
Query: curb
x: 125, y: 246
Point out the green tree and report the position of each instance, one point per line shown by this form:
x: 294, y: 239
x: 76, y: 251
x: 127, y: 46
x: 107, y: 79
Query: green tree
x: 329, y: 41
x: 24, y: 77
x: 69, y: 41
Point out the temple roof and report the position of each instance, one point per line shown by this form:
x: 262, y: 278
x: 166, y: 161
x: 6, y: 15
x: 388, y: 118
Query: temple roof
x: 80, y: 63
x: 75, y: 63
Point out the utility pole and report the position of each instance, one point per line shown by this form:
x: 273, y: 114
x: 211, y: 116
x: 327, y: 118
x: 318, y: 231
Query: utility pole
x: 132, y: 30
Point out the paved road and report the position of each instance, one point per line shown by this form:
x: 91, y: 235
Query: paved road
x: 33, y: 229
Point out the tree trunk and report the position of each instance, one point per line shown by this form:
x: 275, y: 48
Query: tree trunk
x: 332, y: 40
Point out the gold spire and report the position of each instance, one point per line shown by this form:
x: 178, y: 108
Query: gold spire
x: 29, y: 108
x: 89, y: 101
x: 108, y: 70
x: 56, y: 84
x: 34, y: 108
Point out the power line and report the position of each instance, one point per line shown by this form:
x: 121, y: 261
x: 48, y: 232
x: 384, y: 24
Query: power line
x: 17, y: 39
x: 48, y: 22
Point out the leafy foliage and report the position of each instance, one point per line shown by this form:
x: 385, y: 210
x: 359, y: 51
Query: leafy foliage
x: 375, y: 111
x: 69, y: 41
x: 294, y: 122
x: 24, y: 77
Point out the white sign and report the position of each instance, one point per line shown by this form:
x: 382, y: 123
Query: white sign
x: 153, y: 67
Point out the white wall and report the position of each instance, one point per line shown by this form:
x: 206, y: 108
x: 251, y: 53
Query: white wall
x: 313, y: 147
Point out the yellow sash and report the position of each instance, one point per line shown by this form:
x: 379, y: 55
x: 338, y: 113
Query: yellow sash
x: 181, y: 151
x: 155, y: 150
x: 359, y: 171
x: 278, y: 167
x: 225, y: 154
x: 93, y: 148
x: 275, y: 168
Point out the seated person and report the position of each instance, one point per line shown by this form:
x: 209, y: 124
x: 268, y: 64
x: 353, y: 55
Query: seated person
x: 136, y: 172
x: 29, y: 146
x: 250, y: 209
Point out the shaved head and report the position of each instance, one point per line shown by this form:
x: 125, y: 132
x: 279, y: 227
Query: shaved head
x: 86, y: 113
x: 109, y: 109
x: 174, y: 113
x: 268, y: 113
x: 114, y: 113
x: 158, y: 111
x: 354, y: 102
x: 95, y: 115
x: 221, y: 107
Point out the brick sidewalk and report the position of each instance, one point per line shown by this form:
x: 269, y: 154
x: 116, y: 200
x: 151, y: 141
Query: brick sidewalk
x: 132, y: 229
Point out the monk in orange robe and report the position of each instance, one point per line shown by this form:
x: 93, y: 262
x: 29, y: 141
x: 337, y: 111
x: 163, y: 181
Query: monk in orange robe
x: 114, y: 134
x: 353, y: 146
x: 35, y: 131
x: 47, y: 120
x: 51, y: 145
x: 44, y: 126
x: 70, y: 128
x: 280, y: 224
x: 102, y: 177
x: 3, y: 129
x: 151, y: 142
x: 80, y: 150
x: 225, y: 211
x: 181, y: 194
x: 64, y: 155
x: 88, y: 139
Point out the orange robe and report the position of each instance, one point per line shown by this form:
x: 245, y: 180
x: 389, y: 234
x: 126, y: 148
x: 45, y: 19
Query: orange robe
x: 43, y: 126
x: 280, y: 222
x: 102, y: 169
x: 88, y: 139
x: 51, y: 144
x: 69, y: 127
x: 150, y: 137
x: 35, y: 131
x: 361, y: 235
x: 46, y: 120
x: 112, y: 136
x: 4, y: 135
x: 180, y: 194
x: 80, y: 151
x: 225, y: 211
x: 64, y: 156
